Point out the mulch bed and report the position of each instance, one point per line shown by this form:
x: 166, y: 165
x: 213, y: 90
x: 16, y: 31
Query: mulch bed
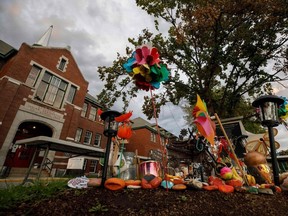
x: 100, y: 201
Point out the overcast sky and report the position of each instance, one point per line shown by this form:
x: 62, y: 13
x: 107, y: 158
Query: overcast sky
x: 95, y: 30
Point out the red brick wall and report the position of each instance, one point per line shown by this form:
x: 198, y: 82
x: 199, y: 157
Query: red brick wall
x: 11, y: 97
x: 140, y: 140
x: 11, y: 94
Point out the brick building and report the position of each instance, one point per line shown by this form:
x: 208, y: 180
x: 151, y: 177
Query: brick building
x: 43, y: 93
x: 146, y: 139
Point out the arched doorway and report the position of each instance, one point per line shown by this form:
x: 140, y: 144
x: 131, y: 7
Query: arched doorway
x: 20, y: 156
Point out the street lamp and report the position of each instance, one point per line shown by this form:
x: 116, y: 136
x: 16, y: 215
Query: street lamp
x: 110, y: 130
x: 268, y: 107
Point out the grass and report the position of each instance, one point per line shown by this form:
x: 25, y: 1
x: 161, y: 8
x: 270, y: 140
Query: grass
x: 98, y: 208
x: 14, y: 195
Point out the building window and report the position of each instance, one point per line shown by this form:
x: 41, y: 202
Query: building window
x: 51, y: 90
x: 33, y: 75
x: 84, y: 110
x: 78, y: 134
x: 97, y: 140
x: 153, y: 137
x: 92, y: 114
x: 62, y: 63
x: 71, y: 94
x: 87, y: 138
x: 93, y: 166
x: 162, y: 140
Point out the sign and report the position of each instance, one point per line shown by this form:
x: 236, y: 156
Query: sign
x: 75, y: 163
x: 233, y: 130
x: 43, y: 111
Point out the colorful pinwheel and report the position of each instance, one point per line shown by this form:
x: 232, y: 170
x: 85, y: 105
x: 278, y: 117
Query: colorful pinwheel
x: 203, y: 122
x: 283, y: 109
x: 145, y: 68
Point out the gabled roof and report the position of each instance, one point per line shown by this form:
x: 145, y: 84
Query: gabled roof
x: 139, y: 123
x: 6, y: 50
x: 92, y: 99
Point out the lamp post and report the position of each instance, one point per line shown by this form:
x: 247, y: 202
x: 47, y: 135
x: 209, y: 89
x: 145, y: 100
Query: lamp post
x: 110, y: 130
x: 268, y: 106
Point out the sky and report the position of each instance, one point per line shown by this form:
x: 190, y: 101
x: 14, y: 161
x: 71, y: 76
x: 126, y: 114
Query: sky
x: 96, y: 31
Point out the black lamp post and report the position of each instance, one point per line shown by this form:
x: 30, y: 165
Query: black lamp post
x: 110, y: 130
x: 268, y: 106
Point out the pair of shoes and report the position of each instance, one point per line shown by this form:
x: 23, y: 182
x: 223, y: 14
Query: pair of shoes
x: 78, y: 182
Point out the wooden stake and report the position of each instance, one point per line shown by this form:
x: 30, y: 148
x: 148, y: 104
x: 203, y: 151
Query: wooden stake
x: 137, y: 164
x: 232, y: 149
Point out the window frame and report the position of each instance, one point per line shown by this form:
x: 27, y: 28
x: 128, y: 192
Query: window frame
x: 62, y: 64
x: 84, y: 110
x: 88, y: 137
x: 152, y: 137
x: 51, y: 90
x: 31, y: 81
x: 94, y: 167
x: 71, y: 94
x: 77, y: 135
x: 99, y: 140
x: 92, y: 115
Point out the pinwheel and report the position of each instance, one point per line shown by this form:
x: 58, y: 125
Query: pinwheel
x: 262, y: 145
x: 283, y: 109
x: 203, y: 122
x: 145, y: 68
x: 147, y: 71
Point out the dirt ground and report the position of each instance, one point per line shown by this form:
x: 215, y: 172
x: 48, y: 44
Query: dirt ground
x: 100, y: 201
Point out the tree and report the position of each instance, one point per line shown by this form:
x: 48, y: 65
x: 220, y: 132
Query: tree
x: 227, y: 51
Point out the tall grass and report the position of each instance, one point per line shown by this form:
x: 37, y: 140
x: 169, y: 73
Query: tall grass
x: 14, y: 195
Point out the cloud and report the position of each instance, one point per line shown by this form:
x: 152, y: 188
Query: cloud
x: 96, y: 31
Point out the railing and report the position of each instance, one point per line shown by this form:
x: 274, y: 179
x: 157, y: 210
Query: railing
x: 48, y: 165
x: 282, y: 162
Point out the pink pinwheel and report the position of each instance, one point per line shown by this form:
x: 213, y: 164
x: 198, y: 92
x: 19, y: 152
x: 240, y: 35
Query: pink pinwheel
x: 204, y: 124
x: 145, y: 55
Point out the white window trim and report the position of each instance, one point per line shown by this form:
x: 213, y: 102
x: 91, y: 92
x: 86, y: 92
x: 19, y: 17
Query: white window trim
x: 99, y: 144
x: 90, y: 117
x: 59, y: 62
x: 90, y: 138
x: 95, y: 167
x: 55, y: 74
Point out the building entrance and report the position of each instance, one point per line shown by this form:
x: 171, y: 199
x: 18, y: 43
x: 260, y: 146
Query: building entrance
x: 20, y: 156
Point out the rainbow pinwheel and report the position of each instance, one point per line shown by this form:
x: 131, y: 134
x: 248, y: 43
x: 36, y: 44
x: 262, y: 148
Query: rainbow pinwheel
x: 283, y: 109
x: 203, y: 122
x: 145, y: 68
